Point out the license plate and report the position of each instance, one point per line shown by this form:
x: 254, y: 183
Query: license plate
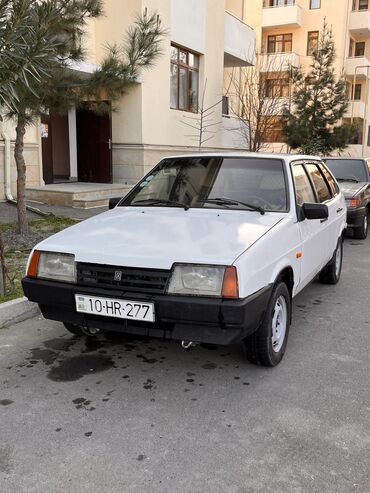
x: 109, y: 307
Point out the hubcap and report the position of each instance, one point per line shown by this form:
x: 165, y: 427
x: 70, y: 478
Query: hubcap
x: 338, y: 259
x: 279, y: 324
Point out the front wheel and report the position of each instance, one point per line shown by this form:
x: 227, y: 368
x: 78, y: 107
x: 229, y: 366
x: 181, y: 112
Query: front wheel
x: 360, y: 233
x: 266, y: 346
x: 331, y: 272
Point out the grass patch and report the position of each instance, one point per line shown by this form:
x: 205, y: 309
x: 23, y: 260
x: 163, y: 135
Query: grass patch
x: 17, y: 249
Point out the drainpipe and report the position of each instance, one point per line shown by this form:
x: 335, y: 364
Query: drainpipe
x: 8, y: 179
x: 7, y: 174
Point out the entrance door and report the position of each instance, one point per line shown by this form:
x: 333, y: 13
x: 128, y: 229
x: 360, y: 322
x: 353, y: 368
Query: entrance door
x: 55, y: 148
x: 94, y: 153
x: 47, y: 149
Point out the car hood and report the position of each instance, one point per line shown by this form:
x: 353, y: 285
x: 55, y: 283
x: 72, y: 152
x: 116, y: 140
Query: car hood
x: 350, y: 188
x: 157, y: 237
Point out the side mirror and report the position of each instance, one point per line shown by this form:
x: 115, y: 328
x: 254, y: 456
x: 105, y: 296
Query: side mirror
x: 315, y: 211
x: 114, y: 202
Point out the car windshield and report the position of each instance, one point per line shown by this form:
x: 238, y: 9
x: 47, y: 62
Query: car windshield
x: 214, y: 182
x: 347, y: 169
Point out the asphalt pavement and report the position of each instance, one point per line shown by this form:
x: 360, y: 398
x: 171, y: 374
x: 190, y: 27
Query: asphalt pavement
x: 146, y: 416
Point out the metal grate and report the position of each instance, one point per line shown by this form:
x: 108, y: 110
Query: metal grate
x: 152, y: 281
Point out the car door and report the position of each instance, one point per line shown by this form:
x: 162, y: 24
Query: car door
x: 311, y: 231
x: 330, y: 227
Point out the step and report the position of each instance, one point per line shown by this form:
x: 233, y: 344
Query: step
x: 85, y: 196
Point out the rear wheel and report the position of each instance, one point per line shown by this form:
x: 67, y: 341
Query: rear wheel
x: 360, y: 233
x: 267, y: 345
x: 331, y: 272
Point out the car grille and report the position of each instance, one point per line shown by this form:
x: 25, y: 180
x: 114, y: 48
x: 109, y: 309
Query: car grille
x: 151, y: 281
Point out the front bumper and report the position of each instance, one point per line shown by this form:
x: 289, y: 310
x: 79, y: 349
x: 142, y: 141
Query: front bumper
x: 196, y: 319
x: 355, y: 217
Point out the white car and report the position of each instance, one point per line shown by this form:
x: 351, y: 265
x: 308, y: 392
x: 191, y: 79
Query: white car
x: 206, y: 248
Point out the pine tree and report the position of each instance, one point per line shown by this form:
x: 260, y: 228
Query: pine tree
x: 313, y: 124
x: 38, y: 45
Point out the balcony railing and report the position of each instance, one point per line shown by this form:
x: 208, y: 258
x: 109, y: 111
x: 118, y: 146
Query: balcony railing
x: 282, y: 15
x: 278, y: 62
x: 240, y: 42
x: 359, y: 22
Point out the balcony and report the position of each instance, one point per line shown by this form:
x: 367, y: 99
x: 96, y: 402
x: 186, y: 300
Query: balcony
x: 282, y: 16
x: 359, y: 22
x: 279, y: 62
x: 240, y: 43
x: 359, y: 66
x: 356, y: 109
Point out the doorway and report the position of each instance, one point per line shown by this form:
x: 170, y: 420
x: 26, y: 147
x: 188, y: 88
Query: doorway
x: 77, y: 146
x: 94, y: 149
x: 55, y: 148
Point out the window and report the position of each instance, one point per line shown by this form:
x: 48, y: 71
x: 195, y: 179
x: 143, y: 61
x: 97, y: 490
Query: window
x: 277, y: 88
x: 329, y: 178
x: 278, y: 3
x: 193, y: 180
x: 303, y: 188
x: 360, y: 5
x: 320, y: 185
x: 357, y: 92
x: 281, y: 43
x: 274, y: 130
x: 360, y: 49
x: 315, y: 4
x: 312, y: 42
x: 351, y: 47
x: 225, y: 105
x: 347, y: 168
x: 184, y: 80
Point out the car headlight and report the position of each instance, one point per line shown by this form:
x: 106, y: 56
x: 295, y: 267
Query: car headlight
x: 203, y: 280
x: 52, y: 265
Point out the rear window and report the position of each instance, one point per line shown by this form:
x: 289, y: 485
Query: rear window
x: 347, y: 169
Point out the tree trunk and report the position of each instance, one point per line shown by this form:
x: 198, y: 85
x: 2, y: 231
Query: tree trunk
x: 21, y: 175
x: 2, y: 265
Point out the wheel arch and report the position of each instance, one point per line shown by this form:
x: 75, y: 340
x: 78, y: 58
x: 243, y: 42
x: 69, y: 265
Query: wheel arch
x: 286, y: 275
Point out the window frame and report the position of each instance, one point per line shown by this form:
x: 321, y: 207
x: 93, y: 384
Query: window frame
x: 312, y: 7
x: 189, y: 69
x: 316, y: 163
x: 273, y: 37
x: 309, y: 33
x: 302, y: 163
x: 363, y: 44
x: 277, y: 84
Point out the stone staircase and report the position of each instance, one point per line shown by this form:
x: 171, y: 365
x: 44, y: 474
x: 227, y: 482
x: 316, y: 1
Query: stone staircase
x: 77, y: 195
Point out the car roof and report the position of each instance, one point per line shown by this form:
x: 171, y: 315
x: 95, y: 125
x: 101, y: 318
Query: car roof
x: 267, y: 155
x: 341, y: 158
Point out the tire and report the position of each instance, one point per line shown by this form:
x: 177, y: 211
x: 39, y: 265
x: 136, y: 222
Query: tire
x: 266, y: 347
x: 74, y: 329
x: 360, y: 233
x: 331, y: 272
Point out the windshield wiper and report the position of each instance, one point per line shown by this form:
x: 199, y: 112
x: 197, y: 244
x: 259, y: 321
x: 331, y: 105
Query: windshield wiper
x: 348, y: 179
x: 161, y: 201
x: 226, y: 201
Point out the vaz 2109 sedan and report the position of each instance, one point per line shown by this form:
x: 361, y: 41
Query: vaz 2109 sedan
x: 205, y: 248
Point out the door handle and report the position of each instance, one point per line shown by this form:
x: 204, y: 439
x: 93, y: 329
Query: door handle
x: 339, y: 210
x: 323, y: 220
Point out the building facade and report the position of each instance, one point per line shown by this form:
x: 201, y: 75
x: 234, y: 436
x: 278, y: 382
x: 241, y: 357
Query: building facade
x: 288, y: 32
x: 205, y: 38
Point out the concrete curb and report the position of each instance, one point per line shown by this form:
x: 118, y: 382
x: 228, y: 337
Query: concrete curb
x: 15, y: 311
